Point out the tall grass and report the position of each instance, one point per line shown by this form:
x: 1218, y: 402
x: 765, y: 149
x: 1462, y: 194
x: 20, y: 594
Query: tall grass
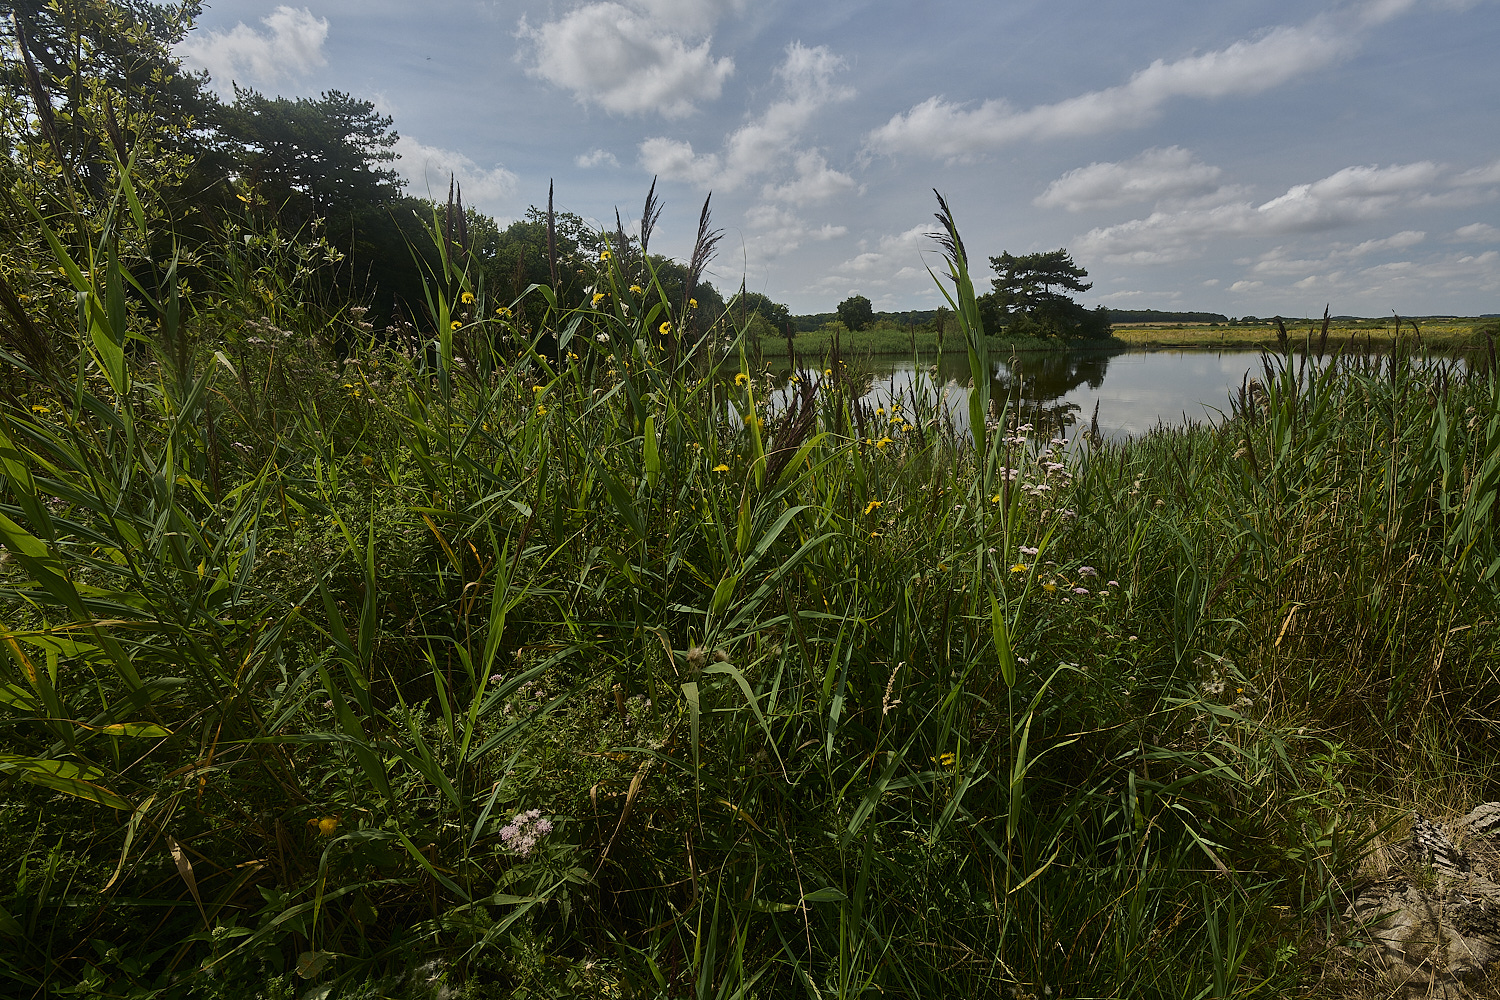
x: 557, y: 656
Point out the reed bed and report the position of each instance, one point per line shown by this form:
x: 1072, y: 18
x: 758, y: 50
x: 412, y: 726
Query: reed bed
x: 548, y: 662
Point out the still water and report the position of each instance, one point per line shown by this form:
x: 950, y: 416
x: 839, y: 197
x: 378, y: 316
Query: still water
x: 1058, y: 392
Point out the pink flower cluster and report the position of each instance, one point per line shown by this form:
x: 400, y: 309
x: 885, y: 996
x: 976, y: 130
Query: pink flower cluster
x: 524, y: 830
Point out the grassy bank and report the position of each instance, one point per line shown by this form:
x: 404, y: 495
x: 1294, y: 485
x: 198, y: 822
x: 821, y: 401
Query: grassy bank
x: 889, y: 341
x: 1443, y: 334
x: 530, y: 670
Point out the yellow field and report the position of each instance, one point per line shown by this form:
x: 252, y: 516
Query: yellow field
x: 1434, y: 332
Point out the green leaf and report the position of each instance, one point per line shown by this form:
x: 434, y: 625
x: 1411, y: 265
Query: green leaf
x: 62, y: 776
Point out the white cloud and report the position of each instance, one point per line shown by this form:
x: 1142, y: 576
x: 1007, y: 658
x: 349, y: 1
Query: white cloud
x: 779, y: 231
x: 767, y: 142
x: 1154, y: 174
x: 292, y: 46
x: 1485, y: 176
x: 596, y: 158
x: 1478, y: 232
x: 1394, y: 282
x: 623, y: 60
x: 1245, y: 286
x: 815, y: 181
x: 941, y: 128
x: 1351, y: 195
x: 427, y: 168
x: 894, y: 258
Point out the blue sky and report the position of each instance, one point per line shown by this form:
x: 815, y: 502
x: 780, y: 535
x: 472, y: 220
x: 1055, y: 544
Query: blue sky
x: 1240, y: 157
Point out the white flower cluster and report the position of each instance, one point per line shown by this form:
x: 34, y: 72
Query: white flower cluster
x: 524, y: 830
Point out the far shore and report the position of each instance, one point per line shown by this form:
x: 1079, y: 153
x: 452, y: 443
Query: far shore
x: 1444, y: 334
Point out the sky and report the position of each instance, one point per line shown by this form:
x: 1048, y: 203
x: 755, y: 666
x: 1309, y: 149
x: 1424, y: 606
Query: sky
x: 1247, y: 157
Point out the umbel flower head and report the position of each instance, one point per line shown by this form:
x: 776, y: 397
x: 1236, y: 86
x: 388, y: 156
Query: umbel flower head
x: 521, y: 834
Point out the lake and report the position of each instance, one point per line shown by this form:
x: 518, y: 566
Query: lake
x: 1057, y: 392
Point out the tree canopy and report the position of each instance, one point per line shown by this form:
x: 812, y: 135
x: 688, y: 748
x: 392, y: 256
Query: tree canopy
x: 1029, y: 298
x: 856, y: 312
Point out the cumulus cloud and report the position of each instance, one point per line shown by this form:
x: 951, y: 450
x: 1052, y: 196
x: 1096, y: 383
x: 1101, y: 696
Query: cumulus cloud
x: 427, y: 168
x: 894, y: 259
x: 1399, y: 281
x: 779, y: 231
x: 1478, y: 232
x: 941, y: 128
x: 628, y: 60
x: 1354, y: 194
x: 815, y: 181
x: 768, y: 142
x: 1153, y: 175
x: 291, y: 46
x: 596, y: 158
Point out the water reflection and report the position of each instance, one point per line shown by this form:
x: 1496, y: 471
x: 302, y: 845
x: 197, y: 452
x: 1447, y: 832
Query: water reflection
x: 1060, y: 393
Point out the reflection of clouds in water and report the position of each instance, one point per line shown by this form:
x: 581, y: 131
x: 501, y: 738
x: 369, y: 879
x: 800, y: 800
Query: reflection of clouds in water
x: 1058, y: 392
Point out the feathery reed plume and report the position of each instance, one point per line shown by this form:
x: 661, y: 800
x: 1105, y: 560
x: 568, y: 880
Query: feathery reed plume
x: 551, y: 239
x: 948, y: 239
x: 704, y: 248
x: 622, y: 244
x: 113, y: 129
x: 39, y: 95
x: 455, y: 223
x: 1281, y: 339
x: 649, y: 216
x: 799, y: 420
x: 1323, y: 337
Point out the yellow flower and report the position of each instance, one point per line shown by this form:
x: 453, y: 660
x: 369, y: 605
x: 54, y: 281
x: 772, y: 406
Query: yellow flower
x: 40, y: 409
x: 741, y: 378
x: 721, y: 467
x: 539, y: 388
x: 873, y: 505
x: 636, y: 290
x: 1018, y: 568
x: 541, y: 411
x: 828, y: 373
x: 995, y: 498
x: 503, y: 312
x: 1049, y: 587
x: 366, y: 461
x: 692, y: 303
x: 882, y: 442
x: 467, y: 298
x: 454, y: 325
x: 666, y: 328
x: 946, y: 759
x: 598, y: 298
x: 326, y: 825
x: 605, y: 255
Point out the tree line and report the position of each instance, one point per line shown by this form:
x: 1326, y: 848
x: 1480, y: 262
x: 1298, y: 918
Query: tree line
x: 1028, y: 297
x: 94, y: 84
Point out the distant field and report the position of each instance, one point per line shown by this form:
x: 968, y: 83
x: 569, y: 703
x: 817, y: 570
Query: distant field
x: 1445, y: 332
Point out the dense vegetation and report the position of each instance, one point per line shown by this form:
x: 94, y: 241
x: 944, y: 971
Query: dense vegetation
x: 528, y: 645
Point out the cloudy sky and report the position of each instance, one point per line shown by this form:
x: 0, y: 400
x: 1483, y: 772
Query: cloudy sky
x: 1243, y: 157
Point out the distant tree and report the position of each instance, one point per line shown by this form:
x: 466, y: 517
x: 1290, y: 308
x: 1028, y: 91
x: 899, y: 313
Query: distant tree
x: 856, y: 312
x: 313, y: 158
x: 1029, y: 298
x: 777, y: 316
